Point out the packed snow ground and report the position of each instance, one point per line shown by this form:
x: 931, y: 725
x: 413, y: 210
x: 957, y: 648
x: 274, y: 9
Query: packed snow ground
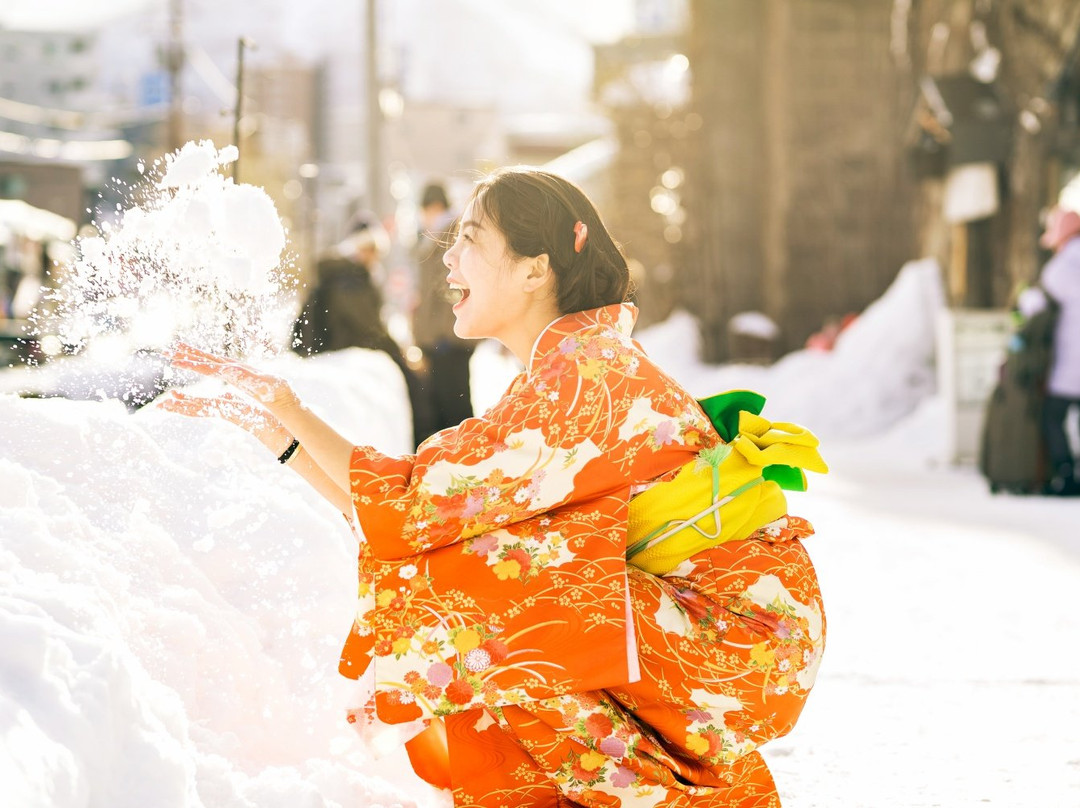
x: 172, y: 601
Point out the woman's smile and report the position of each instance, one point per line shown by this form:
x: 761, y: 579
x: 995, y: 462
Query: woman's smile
x: 456, y: 294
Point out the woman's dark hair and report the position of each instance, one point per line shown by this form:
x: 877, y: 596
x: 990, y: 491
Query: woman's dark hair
x: 536, y: 212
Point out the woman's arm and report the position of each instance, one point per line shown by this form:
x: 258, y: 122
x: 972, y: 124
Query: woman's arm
x: 306, y: 467
x: 320, y: 443
x: 323, y: 456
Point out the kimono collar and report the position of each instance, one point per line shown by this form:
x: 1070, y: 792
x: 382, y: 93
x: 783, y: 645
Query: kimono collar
x: 618, y: 318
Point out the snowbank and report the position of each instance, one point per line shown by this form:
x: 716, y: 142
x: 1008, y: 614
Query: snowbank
x: 879, y: 371
x: 173, y: 603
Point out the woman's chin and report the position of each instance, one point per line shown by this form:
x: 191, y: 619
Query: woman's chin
x: 464, y: 330
x: 461, y: 330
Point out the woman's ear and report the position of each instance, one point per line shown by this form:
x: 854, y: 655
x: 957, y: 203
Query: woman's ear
x: 539, y: 273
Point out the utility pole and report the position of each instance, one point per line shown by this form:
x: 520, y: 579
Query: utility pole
x: 241, y: 45
x: 374, y: 111
x: 174, y: 65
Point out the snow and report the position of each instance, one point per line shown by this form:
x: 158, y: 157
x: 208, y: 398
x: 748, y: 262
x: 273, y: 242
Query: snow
x: 754, y: 324
x: 173, y: 606
x: 949, y: 677
x: 194, y: 256
x: 881, y: 368
x: 172, y: 601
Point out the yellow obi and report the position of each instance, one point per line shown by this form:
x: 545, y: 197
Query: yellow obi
x: 727, y: 493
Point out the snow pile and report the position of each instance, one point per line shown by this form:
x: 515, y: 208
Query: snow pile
x: 195, y: 256
x: 174, y: 602
x: 754, y: 324
x: 881, y: 368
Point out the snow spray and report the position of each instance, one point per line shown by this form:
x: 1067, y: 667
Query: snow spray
x: 195, y: 257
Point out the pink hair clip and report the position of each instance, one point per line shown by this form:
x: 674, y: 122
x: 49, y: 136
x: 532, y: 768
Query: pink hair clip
x: 581, y: 233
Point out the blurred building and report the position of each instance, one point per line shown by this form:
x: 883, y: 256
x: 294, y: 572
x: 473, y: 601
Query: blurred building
x: 52, y: 186
x: 642, y: 83
x: 52, y: 105
x: 280, y: 131
x: 52, y: 69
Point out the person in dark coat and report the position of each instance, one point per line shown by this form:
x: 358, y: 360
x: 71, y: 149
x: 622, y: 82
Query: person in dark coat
x: 344, y: 310
x: 446, y: 355
x: 1013, y: 455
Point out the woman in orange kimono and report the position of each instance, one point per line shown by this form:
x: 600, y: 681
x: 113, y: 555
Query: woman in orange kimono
x: 592, y: 594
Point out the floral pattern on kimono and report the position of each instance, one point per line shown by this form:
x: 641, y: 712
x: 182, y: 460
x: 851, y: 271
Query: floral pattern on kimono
x: 729, y: 649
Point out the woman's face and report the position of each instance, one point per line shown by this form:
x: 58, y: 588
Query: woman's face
x: 493, y: 301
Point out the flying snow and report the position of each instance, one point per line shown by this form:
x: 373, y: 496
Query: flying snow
x: 195, y: 257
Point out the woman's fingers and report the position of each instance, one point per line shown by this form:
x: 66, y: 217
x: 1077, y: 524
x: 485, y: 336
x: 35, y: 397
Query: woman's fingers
x: 227, y: 407
x: 261, y: 386
x: 224, y: 406
x: 185, y: 351
x: 182, y: 404
x: 186, y: 360
x: 185, y: 357
x: 188, y: 356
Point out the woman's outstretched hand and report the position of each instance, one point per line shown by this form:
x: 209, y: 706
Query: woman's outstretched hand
x: 250, y: 414
x: 270, y: 411
x: 270, y: 391
x: 251, y: 417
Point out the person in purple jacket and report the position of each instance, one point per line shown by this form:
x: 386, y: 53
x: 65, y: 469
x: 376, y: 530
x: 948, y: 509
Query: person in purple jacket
x: 1060, y: 280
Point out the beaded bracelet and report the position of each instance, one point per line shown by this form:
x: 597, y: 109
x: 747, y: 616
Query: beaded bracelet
x: 289, y: 453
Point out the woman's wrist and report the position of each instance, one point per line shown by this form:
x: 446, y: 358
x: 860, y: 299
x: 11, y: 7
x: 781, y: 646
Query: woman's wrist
x: 284, y: 401
x: 276, y: 440
x: 293, y: 416
x: 290, y: 452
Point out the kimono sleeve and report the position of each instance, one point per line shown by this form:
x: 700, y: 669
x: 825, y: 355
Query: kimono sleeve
x: 542, y: 446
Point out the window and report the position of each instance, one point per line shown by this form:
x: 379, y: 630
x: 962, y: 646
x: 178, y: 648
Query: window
x: 12, y: 186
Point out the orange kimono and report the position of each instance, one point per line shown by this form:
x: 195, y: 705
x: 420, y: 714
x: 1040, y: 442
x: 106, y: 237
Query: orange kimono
x: 496, y: 601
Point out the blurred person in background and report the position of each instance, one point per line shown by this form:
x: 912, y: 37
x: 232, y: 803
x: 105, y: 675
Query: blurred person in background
x: 344, y: 310
x: 592, y: 594
x: 1060, y: 281
x: 446, y: 355
x: 9, y: 282
x: 1012, y: 452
